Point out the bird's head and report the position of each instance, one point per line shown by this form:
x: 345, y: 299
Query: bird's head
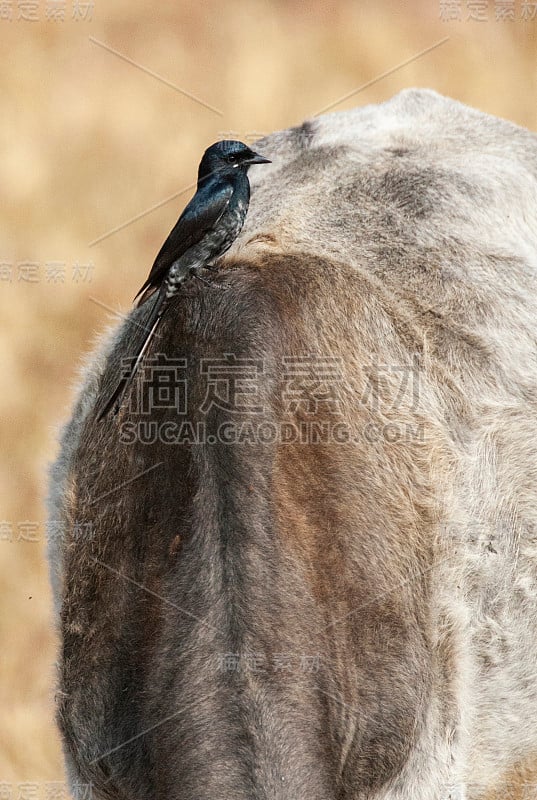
x: 228, y: 156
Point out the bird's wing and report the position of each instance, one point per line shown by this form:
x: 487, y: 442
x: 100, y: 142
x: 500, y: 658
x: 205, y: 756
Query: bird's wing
x: 200, y: 215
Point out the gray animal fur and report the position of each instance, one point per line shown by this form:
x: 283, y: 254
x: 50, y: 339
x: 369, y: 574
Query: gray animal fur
x: 395, y: 234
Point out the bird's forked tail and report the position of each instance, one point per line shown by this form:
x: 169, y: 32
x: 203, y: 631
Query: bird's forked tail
x: 116, y: 398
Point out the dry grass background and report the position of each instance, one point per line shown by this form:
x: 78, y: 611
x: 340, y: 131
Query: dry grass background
x: 89, y: 142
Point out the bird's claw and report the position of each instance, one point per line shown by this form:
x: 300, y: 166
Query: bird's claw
x: 195, y: 274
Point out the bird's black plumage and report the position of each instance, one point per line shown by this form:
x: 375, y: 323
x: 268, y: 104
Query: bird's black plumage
x: 205, y: 230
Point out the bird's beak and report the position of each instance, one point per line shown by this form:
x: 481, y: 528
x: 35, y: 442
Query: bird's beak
x: 255, y: 158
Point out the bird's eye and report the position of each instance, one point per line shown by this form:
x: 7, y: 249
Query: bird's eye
x: 231, y: 158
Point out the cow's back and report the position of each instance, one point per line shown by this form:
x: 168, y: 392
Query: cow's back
x: 320, y: 582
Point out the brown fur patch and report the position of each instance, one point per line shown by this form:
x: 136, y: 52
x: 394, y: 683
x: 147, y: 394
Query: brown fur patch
x: 519, y: 783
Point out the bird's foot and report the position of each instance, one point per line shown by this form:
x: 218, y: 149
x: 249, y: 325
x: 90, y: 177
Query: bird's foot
x: 194, y: 273
x: 211, y: 267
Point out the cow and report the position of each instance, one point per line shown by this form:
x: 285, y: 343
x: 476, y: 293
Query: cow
x: 301, y: 562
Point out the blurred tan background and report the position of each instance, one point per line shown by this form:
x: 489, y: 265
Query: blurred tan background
x: 92, y: 147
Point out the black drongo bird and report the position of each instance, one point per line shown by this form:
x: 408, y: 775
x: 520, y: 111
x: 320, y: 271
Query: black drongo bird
x: 205, y: 230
